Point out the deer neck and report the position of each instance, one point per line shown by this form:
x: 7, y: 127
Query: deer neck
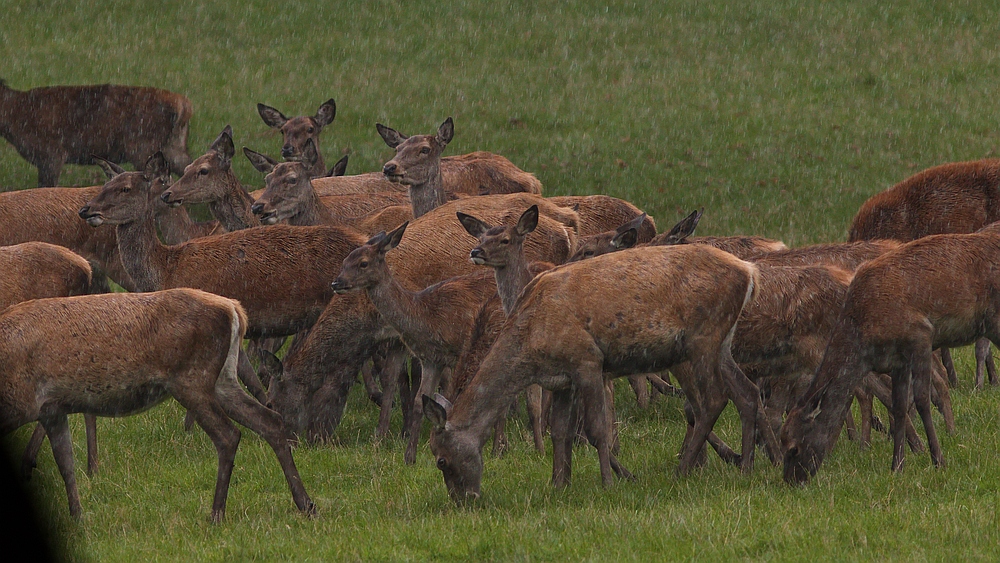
x: 142, y: 254
x: 398, y: 306
x: 175, y: 225
x: 844, y: 365
x: 233, y: 210
x: 511, y: 280
x: 313, y: 212
x: 425, y: 197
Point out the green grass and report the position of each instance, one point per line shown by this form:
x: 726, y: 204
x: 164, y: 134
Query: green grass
x: 780, y: 118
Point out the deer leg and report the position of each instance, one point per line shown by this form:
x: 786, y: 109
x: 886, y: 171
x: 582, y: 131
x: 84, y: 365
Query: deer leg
x: 661, y: 384
x: 248, y: 376
x: 881, y: 390
x: 500, y: 443
x: 533, y: 404
x: 90, y: 424
x: 50, y: 168
x: 900, y: 409
x: 389, y: 375
x: 546, y: 408
x: 30, y: 458
x: 746, y: 396
x: 941, y: 396
x: 949, y: 366
x: 408, y: 393
x: 57, y: 428
x: 562, y: 436
x: 641, y: 389
x: 592, y: 388
x: 430, y: 377
x: 609, y: 390
x: 921, y: 370
x: 982, y: 350
x: 694, y: 442
x: 242, y: 408
x: 865, y: 410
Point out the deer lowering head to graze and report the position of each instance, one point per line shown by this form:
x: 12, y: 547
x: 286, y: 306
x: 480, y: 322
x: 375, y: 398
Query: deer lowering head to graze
x: 312, y: 390
x: 68, y: 124
x: 601, y: 213
x: 297, y: 131
x: 579, y: 323
x: 290, y: 196
x: 118, y: 354
x: 419, y: 166
x: 210, y: 179
x: 936, y: 291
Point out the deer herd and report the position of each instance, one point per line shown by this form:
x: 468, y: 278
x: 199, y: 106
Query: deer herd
x: 453, y: 288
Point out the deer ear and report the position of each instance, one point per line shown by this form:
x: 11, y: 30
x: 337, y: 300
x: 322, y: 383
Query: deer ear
x: 528, y: 221
x: 392, y: 239
x: 437, y: 410
x: 339, y: 168
x: 110, y: 168
x: 391, y: 137
x: 325, y: 114
x: 446, y: 132
x: 626, y: 239
x: 473, y: 226
x: 223, y: 145
x: 263, y: 163
x: 156, y: 167
x: 272, y: 117
x: 813, y: 408
x: 633, y: 224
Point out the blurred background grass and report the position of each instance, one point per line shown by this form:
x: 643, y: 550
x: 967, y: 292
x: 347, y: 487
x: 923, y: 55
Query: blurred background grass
x: 779, y: 117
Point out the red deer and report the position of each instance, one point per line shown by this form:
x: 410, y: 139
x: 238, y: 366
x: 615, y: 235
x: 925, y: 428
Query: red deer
x: 298, y: 130
x: 280, y: 274
x: 577, y: 323
x: 958, y: 197
x: 936, y: 291
x: 418, y: 165
x: 117, y: 354
x: 316, y: 377
x: 55, y: 125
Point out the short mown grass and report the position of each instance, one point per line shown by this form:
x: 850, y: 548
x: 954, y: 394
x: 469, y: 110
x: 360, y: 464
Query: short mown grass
x: 779, y: 118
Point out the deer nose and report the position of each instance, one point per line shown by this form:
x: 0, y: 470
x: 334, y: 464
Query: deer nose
x: 165, y: 196
x: 389, y: 169
x: 84, y: 211
x: 287, y: 150
x: 257, y: 208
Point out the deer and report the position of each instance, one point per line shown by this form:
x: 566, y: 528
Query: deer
x: 56, y: 125
x: 280, y: 274
x: 578, y: 323
x: 310, y: 386
x: 418, y: 165
x: 118, y: 354
x: 296, y: 131
x: 956, y: 197
x: 936, y: 291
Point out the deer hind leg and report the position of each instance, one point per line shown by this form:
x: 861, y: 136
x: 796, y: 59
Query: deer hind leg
x: 430, y: 378
x: 900, y: 408
x: 391, y: 372
x: 746, y: 396
x: 949, y: 366
x: 562, y: 434
x: 640, y: 386
x: 921, y: 373
x: 30, y: 457
x: 984, y: 363
x: 533, y: 404
x: 57, y: 428
x: 50, y: 167
x: 941, y: 396
x: 705, y: 415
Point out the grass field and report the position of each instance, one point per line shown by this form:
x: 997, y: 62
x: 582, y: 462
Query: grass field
x: 779, y: 118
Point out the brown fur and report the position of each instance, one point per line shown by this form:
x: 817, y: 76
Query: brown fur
x: 299, y: 130
x: 579, y: 322
x: 936, y: 291
x: 34, y: 270
x: 59, y: 124
x: 119, y: 354
x: 601, y: 213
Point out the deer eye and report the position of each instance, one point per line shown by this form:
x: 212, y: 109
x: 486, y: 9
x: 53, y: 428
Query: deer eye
x: 442, y: 463
x: 505, y: 241
x: 425, y: 150
x: 363, y: 264
x: 588, y: 253
x: 203, y: 172
x: 126, y: 189
x: 290, y: 180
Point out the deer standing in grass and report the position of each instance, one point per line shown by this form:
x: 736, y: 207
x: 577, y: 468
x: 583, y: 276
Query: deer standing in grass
x: 68, y: 124
x: 579, y: 323
x: 957, y: 197
x: 940, y: 290
x: 118, y: 354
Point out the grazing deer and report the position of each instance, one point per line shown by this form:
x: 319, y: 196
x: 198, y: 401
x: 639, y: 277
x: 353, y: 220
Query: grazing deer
x: 936, y: 291
x: 312, y: 387
x: 957, y: 197
x: 298, y: 130
x: 280, y: 274
x: 118, y: 354
x: 578, y: 323
x: 418, y: 165
x: 52, y: 126
x: 210, y: 179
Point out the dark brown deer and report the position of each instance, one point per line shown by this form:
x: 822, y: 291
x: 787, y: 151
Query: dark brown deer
x: 118, y: 354
x: 210, y: 180
x: 577, y: 323
x: 280, y: 274
x: 936, y: 291
x: 957, y: 197
x: 312, y: 389
x: 68, y: 124
x: 298, y: 130
x: 418, y: 166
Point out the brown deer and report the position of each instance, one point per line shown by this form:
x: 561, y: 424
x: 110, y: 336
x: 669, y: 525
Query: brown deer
x: 68, y: 124
x: 312, y: 388
x: 280, y: 274
x: 210, y: 180
x: 578, y: 323
x: 118, y: 354
x: 936, y: 291
x: 957, y: 197
x: 418, y: 165
x: 298, y: 130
